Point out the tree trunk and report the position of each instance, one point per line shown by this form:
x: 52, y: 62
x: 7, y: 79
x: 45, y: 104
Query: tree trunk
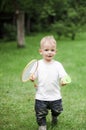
x: 20, y: 29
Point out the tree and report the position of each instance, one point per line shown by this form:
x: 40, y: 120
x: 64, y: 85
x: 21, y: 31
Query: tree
x: 20, y: 29
x: 80, y: 8
x: 42, y: 14
x: 20, y: 7
x: 14, y: 7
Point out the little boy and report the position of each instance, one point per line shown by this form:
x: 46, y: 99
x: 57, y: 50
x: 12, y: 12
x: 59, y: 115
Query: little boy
x: 49, y: 75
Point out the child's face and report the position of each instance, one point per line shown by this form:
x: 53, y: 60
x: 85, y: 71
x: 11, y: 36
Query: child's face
x: 48, y: 51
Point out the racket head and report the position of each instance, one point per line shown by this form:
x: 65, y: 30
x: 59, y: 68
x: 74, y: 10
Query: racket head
x: 27, y: 70
x: 66, y: 79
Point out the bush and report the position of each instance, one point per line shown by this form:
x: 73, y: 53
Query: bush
x: 59, y: 28
x: 65, y: 29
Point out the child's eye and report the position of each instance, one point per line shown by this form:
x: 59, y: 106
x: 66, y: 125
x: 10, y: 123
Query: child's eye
x: 46, y: 49
x: 52, y: 50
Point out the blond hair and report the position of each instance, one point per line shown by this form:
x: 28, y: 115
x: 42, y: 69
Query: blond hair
x: 47, y: 39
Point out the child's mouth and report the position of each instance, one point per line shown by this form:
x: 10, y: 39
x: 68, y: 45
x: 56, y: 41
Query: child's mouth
x: 49, y: 56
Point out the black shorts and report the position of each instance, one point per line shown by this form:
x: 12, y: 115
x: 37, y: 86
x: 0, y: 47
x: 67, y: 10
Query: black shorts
x: 42, y: 107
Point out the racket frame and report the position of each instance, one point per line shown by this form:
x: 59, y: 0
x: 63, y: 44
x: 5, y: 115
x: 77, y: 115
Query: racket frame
x: 66, y: 79
x: 25, y: 68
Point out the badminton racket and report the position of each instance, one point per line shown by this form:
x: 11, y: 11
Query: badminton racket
x: 29, y: 70
x: 66, y: 80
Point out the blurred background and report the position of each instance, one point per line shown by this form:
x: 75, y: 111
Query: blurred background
x: 19, y: 18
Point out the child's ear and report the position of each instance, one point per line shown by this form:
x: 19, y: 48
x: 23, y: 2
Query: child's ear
x: 40, y: 51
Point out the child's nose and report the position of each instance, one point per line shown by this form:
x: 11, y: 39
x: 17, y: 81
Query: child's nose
x: 49, y: 52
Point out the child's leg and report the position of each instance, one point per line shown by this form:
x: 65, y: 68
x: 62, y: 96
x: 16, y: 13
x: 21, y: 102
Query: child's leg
x: 41, y: 112
x: 56, y: 109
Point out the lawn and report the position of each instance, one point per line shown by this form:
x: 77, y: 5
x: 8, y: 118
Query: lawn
x: 17, y: 98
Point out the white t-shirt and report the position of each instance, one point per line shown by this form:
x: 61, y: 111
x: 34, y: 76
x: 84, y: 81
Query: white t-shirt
x: 48, y: 76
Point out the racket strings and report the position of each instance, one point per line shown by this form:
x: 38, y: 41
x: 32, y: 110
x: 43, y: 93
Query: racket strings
x: 29, y: 69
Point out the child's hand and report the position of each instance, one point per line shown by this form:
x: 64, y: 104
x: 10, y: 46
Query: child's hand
x: 63, y: 83
x: 65, y: 80
x: 32, y: 77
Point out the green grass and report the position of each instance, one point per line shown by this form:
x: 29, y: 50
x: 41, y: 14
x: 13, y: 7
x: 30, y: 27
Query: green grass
x: 17, y: 98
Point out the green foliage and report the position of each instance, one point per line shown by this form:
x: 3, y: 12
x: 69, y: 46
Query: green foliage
x: 46, y: 12
x: 59, y: 28
x: 17, y: 98
x: 9, y: 32
x: 65, y: 29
